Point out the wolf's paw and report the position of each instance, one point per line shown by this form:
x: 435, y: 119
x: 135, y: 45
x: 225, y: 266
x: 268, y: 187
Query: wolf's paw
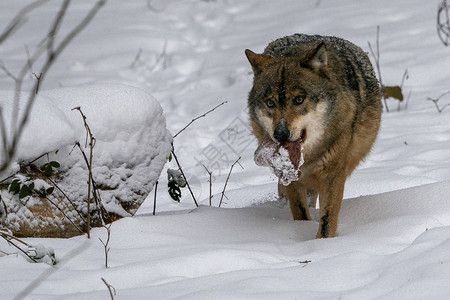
x: 283, y: 159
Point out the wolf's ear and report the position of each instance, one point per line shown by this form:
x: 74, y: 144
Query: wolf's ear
x: 318, y: 61
x: 256, y: 60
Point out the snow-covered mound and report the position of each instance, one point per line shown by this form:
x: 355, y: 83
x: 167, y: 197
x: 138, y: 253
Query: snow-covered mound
x: 131, y: 146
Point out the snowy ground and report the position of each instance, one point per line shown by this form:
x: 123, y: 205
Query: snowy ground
x: 394, y: 236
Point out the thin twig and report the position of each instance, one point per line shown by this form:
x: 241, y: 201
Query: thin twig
x: 38, y: 78
x: 65, y: 196
x: 7, y: 254
x: 154, y: 198
x: 136, y: 58
x: 55, y: 28
x: 64, y: 214
x: 108, y: 230
x: 185, y: 179
x: 19, y: 19
x: 443, y: 28
x: 17, y: 126
x: 8, y: 238
x: 109, y: 288
x: 226, y: 182
x: 4, y: 206
x: 435, y: 101
x: 405, y: 77
x: 193, y: 120
x: 210, y: 184
x: 7, y: 72
x: 104, y: 215
x: 376, y: 56
x: 91, y: 146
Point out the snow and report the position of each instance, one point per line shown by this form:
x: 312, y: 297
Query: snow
x: 131, y: 148
x: 393, y: 237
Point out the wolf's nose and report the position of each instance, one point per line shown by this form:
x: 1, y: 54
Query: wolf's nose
x: 281, y: 133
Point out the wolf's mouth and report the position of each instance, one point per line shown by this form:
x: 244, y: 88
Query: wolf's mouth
x: 302, y: 137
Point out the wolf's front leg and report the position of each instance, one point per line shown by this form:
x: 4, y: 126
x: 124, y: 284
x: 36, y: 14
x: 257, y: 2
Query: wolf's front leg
x: 296, y: 194
x: 330, y: 200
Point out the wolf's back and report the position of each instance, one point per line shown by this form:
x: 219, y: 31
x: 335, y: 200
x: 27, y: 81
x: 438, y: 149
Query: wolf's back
x: 347, y: 61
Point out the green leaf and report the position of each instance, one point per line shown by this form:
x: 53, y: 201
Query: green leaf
x: 393, y: 92
x: 54, y: 164
x: 47, y: 169
x: 25, y: 191
x: 170, y: 157
x: 14, y: 187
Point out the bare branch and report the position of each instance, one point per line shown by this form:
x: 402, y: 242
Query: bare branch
x: 435, y: 101
x: 55, y: 28
x: 64, y: 214
x: 193, y: 120
x: 210, y: 184
x: 376, y: 57
x: 38, y: 78
x: 7, y: 72
x: 17, y: 126
x: 136, y: 58
x: 226, y: 182
x: 109, y: 289
x: 19, y: 19
x: 105, y: 244
x: 8, y: 237
x: 154, y: 198
x: 185, y: 179
x: 443, y: 22
x: 91, y: 146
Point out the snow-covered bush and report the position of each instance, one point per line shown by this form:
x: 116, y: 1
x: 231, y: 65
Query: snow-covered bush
x: 132, y: 145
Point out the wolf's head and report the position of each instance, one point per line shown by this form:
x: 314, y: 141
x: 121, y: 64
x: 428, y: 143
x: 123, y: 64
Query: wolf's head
x: 290, y: 98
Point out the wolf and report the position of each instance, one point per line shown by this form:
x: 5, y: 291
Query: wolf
x: 322, y: 92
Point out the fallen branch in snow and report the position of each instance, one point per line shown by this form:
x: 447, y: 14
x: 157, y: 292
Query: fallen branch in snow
x: 195, y: 119
x: 305, y: 262
x: 109, y: 288
x: 9, y: 237
x: 435, y: 101
x: 53, y: 51
x: 8, y: 254
x: 226, y: 181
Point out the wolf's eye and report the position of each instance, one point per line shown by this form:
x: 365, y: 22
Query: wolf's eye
x: 299, y: 100
x: 270, y: 103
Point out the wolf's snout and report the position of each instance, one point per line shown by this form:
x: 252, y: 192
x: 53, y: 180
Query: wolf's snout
x: 281, y: 133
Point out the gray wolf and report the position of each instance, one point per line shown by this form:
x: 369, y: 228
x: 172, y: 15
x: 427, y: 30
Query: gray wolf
x: 320, y: 91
